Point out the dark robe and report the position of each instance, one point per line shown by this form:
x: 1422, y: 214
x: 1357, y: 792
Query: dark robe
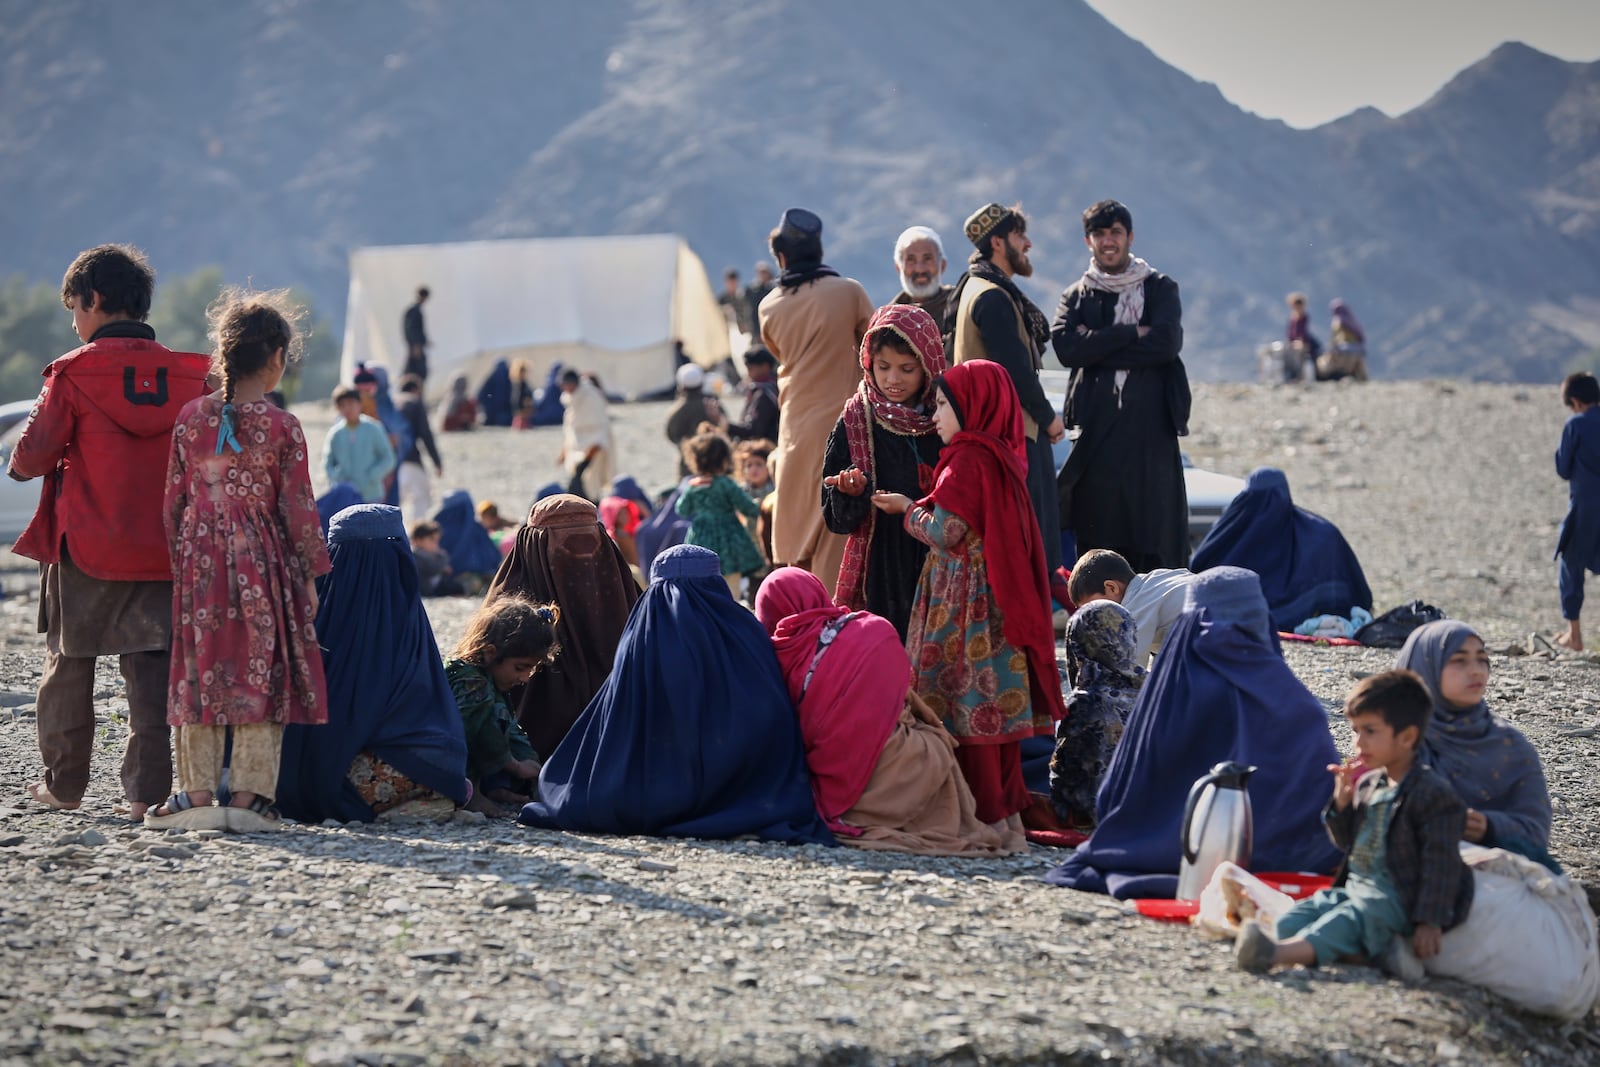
x: 683, y: 419
x: 996, y: 318
x: 1122, y: 486
x: 935, y: 305
x: 894, y: 561
x: 759, y: 421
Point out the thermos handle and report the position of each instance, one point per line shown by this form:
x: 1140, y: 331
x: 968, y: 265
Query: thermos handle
x: 1188, y: 813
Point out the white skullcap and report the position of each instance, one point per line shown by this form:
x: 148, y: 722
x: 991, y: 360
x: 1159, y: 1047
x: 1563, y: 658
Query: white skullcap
x: 690, y: 376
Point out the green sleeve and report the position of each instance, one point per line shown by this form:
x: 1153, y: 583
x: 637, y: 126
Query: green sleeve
x: 488, y: 747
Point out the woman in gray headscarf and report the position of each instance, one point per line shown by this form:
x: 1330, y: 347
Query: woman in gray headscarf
x: 1494, y: 769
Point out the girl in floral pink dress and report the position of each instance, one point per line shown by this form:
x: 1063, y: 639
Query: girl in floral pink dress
x: 246, y: 549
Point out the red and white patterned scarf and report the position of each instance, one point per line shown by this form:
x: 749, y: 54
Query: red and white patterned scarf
x: 867, y: 406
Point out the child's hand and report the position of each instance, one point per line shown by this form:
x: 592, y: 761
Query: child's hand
x: 700, y: 480
x: 1425, y: 941
x: 850, y: 482
x: 523, y: 768
x: 893, y: 503
x: 1344, y: 781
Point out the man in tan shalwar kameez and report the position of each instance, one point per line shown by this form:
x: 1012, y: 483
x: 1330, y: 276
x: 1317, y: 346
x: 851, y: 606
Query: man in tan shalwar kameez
x: 813, y: 322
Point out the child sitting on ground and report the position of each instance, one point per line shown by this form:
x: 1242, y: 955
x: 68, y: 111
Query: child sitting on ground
x: 1578, y: 462
x: 1101, y: 640
x: 1155, y: 600
x: 504, y: 644
x: 433, y: 562
x: 1399, y: 822
x: 502, y: 531
x: 713, y: 502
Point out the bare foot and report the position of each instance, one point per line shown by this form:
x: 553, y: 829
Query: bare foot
x: 238, y: 800
x: 485, y: 806
x: 136, y: 812
x: 40, y: 794
x: 1570, y: 642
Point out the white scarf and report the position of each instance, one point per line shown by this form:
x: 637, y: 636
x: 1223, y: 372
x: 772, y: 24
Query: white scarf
x: 1129, y: 287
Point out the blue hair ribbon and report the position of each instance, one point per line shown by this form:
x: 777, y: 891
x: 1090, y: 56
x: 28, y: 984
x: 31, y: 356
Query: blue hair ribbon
x: 225, y: 435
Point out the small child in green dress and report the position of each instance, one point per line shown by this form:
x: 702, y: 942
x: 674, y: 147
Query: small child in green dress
x: 504, y: 644
x: 712, y: 502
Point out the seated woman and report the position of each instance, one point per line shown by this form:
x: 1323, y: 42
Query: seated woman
x: 1306, y: 566
x: 622, y: 510
x: 393, y: 735
x: 563, y: 555
x: 473, y: 555
x: 1494, y: 769
x: 1219, y: 691
x: 692, y: 734
x: 883, y: 768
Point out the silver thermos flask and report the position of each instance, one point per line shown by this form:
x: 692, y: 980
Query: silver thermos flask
x: 1216, y: 827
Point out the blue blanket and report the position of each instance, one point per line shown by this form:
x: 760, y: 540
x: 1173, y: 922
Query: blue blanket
x: 462, y: 536
x: 693, y: 734
x: 1219, y: 691
x: 1306, y: 567
x: 387, y: 692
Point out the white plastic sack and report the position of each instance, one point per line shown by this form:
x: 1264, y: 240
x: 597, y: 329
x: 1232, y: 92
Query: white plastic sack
x: 1530, y: 937
x: 1233, y: 895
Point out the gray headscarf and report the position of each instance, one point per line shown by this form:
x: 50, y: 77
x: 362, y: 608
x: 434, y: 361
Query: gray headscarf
x: 1493, y: 767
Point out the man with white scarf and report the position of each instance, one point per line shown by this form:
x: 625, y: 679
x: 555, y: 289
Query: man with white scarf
x: 1119, y: 329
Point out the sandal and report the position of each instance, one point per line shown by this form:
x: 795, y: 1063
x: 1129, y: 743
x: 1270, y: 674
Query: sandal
x: 182, y: 813
x: 259, y: 816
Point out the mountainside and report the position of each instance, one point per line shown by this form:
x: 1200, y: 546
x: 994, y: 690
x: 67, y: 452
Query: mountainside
x: 273, y: 137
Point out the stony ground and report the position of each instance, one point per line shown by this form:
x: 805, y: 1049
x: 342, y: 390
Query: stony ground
x: 477, y: 942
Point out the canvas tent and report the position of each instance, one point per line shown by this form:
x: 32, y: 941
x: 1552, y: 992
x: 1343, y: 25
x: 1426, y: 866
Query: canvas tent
x: 610, y: 305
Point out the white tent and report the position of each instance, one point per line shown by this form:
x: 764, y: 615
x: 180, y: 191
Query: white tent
x: 610, y: 305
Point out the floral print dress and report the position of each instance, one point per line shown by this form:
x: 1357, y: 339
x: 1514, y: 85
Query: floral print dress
x: 965, y: 669
x: 245, y: 541
x: 713, y: 512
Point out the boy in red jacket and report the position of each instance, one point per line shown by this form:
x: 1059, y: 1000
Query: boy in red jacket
x: 99, y: 436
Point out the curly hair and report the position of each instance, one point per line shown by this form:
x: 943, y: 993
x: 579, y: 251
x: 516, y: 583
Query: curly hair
x: 247, y: 327
x: 708, y: 452
x: 511, y: 627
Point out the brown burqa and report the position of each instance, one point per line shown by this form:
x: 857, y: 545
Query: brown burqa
x: 564, y: 555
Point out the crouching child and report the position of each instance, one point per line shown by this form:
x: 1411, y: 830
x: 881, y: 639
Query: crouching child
x: 1399, y: 824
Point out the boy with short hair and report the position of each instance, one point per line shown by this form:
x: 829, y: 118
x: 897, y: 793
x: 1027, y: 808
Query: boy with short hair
x: 1155, y: 600
x: 433, y: 562
x: 99, y: 435
x: 1400, y: 824
x: 357, y: 449
x: 1578, y: 462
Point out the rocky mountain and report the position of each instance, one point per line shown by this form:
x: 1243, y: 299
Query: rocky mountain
x: 274, y: 136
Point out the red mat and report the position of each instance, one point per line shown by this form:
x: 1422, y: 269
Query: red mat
x: 1341, y: 642
x: 1057, y: 838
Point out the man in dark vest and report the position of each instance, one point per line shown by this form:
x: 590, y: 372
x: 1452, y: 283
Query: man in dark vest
x: 991, y: 319
x: 416, y: 337
x: 1120, y: 329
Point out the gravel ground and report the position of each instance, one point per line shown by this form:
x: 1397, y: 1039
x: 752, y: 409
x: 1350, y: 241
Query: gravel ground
x: 475, y: 942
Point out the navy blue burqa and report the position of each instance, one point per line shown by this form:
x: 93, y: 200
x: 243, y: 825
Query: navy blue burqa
x: 664, y: 529
x: 387, y: 691
x: 494, y: 395
x: 1306, y: 567
x: 548, y: 411
x: 693, y: 734
x: 1219, y: 691
x: 462, y: 536
x: 335, y: 500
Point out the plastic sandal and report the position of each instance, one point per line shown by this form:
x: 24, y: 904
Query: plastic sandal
x: 259, y: 816
x: 184, y: 814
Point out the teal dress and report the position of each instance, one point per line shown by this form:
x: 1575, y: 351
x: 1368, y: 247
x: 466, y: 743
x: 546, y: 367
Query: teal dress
x: 713, y: 512
x: 1360, y: 917
x: 493, y: 736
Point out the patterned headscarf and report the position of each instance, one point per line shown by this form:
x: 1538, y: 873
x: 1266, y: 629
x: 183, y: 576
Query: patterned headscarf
x: 868, y: 405
x: 1101, y: 641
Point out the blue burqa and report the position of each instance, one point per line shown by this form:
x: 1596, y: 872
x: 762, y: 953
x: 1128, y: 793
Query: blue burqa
x: 1306, y: 567
x: 548, y: 411
x: 387, y: 692
x: 342, y: 495
x: 1219, y: 691
x: 462, y: 536
x: 661, y: 531
x: 693, y: 734
x: 494, y: 396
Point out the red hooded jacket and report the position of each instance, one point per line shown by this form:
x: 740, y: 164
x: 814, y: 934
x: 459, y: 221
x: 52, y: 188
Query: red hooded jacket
x: 99, y: 435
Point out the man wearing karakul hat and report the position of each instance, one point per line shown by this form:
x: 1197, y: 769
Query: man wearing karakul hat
x: 992, y: 319
x: 812, y: 322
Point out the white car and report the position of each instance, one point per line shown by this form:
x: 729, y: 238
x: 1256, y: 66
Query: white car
x: 1208, y: 492
x: 18, y: 500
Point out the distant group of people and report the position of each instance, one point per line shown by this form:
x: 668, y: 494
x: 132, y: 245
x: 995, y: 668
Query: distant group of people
x: 877, y: 691
x: 1345, y: 355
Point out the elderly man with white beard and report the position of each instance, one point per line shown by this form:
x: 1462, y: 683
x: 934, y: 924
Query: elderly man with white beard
x: 919, y: 260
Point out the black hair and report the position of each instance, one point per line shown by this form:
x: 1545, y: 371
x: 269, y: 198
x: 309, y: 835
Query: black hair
x: 1399, y: 696
x: 759, y: 354
x: 731, y: 272
x: 247, y: 327
x: 511, y: 627
x: 425, y: 528
x: 1106, y: 214
x: 1015, y: 222
x: 1093, y: 570
x: 119, y: 273
x: 795, y: 248
x: 888, y: 337
x: 423, y: 292
x: 570, y: 377
x: 944, y: 389
x: 346, y: 392
x: 410, y: 383
x: 1581, y: 387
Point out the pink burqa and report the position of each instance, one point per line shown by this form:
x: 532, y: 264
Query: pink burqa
x: 884, y: 775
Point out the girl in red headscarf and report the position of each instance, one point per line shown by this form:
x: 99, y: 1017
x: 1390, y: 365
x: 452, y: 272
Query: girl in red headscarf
x: 980, y: 636
x: 884, y: 440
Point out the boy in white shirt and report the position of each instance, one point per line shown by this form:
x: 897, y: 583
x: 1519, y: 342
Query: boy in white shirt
x: 1155, y: 600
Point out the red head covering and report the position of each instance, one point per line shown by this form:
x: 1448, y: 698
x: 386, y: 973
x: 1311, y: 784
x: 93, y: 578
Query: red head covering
x: 868, y: 405
x: 983, y: 478
x: 849, y: 692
